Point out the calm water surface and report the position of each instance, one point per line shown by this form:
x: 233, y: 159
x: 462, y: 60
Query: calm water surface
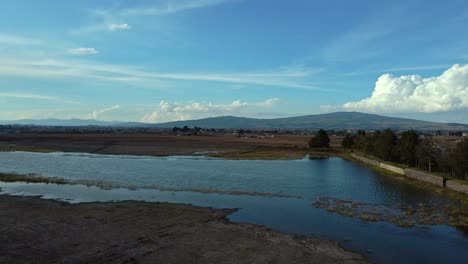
x: 309, y: 179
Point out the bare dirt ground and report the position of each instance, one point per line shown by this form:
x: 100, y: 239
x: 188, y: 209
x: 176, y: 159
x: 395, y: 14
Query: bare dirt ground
x: 230, y: 146
x: 33, y: 230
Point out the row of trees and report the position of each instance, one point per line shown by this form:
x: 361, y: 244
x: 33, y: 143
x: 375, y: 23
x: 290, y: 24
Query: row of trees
x: 411, y: 149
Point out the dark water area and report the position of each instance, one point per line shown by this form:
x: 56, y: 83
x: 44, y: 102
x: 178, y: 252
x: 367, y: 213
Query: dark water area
x: 144, y: 178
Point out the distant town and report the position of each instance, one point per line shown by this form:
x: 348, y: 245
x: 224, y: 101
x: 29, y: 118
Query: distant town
x: 193, y: 131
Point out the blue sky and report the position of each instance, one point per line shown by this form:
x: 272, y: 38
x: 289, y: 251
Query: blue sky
x: 163, y: 60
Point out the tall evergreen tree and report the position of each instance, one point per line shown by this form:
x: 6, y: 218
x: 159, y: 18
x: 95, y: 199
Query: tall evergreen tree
x: 385, y: 145
x: 459, y: 160
x: 348, y: 142
x: 426, y: 154
x: 406, y: 146
x: 320, y: 140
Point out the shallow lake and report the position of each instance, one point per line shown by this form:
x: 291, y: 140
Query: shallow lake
x: 255, y: 186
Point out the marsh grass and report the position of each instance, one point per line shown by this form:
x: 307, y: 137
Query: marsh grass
x: 26, y: 148
x: 263, y: 154
x: 453, y: 214
x: 30, y: 178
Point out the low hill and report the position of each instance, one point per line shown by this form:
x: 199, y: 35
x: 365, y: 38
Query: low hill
x: 338, y: 120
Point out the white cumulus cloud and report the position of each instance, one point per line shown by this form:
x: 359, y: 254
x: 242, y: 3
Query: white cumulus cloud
x: 269, y: 102
x: 98, y: 113
x: 167, y: 111
x: 83, y: 51
x: 114, y: 27
x: 413, y: 93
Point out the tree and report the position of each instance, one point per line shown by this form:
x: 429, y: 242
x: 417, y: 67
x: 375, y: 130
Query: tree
x: 407, y: 144
x: 369, y: 143
x: 385, y: 145
x: 348, y: 142
x: 360, y: 141
x: 426, y: 154
x: 455, y: 133
x: 321, y: 140
x: 459, y: 160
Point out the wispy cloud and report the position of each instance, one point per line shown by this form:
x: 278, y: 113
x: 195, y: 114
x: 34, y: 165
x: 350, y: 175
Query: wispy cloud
x: 98, y: 113
x: 28, y: 96
x: 15, y: 95
x: 281, y: 78
x: 168, y: 7
x: 6, y: 39
x: 107, y: 18
x: 355, y: 43
x: 368, y: 38
x: 114, y: 27
x: 101, y: 27
x: 83, y: 51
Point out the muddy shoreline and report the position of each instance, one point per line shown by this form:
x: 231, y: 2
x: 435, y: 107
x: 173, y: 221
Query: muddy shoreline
x: 46, y: 231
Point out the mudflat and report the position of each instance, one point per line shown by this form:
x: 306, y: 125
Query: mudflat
x: 146, y: 144
x: 34, y: 230
x: 226, y: 146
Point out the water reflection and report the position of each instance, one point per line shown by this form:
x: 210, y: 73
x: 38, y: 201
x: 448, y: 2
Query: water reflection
x: 337, y: 178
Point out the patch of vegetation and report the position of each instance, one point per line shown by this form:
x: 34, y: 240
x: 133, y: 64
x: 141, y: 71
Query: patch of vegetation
x: 219, y: 191
x: 453, y: 214
x: 263, y: 154
x: 30, y: 178
x: 26, y: 148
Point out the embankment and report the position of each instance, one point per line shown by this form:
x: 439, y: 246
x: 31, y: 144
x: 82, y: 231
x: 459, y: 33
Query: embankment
x: 377, y: 163
x: 392, y: 168
x: 425, y: 177
x: 456, y: 186
x: 416, y: 175
x: 366, y: 160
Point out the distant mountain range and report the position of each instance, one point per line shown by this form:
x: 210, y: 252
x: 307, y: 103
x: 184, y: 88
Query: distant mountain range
x: 338, y: 120
x: 59, y: 122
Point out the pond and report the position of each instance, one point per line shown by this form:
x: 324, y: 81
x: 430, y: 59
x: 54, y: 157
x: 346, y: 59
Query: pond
x: 279, y: 194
